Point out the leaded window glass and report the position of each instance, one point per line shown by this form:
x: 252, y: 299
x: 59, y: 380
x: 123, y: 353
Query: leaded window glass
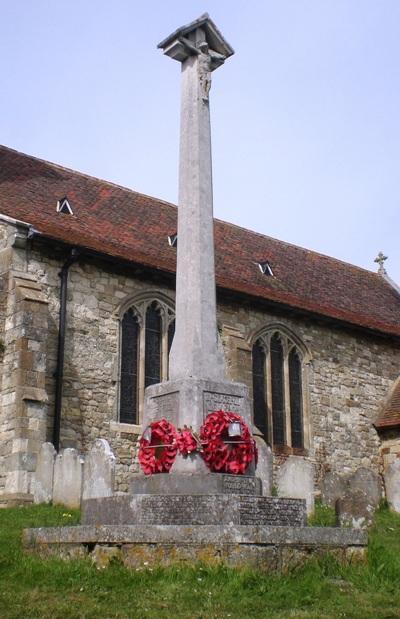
x: 296, y: 420
x: 260, y: 404
x: 277, y: 368
x: 277, y: 391
x: 129, y: 367
x: 147, y: 330
x: 152, y: 374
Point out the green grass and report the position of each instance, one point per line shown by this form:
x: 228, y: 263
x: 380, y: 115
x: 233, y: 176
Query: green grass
x: 31, y: 587
x: 323, y: 516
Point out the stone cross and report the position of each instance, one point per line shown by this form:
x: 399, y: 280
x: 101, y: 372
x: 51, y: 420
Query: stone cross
x: 380, y: 259
x: 196, y: 352
x: 197, y: 384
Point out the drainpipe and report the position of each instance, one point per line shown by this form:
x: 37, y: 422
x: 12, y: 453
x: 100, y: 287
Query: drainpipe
x: 59, y: 373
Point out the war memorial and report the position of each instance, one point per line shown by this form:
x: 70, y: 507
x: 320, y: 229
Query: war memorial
x: 200, y: 495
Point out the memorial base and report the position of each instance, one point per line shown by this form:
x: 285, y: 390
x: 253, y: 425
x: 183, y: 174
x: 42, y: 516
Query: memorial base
x: 212, y: 483
x: 265, y: 548
x: 188, y: 401
x: 195, y: 510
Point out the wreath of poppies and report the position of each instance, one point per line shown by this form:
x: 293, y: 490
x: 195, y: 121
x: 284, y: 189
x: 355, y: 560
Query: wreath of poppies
x: 221, y: 451
x: 158, y: 447
x: 224, y: 453
x: 187, y: 441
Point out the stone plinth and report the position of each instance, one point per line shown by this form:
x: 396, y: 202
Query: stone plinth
x: 195, y: 510
x: 266, y: 548
x: 187, y: 401
x: 213, y: 483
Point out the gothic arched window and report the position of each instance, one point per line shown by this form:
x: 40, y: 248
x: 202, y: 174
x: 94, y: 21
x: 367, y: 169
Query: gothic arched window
x: 147, y: 330
x: 278, y: 389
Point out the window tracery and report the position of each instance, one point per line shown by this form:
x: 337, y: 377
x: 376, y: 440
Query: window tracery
x: 280, y: 407
x: 147, y: 328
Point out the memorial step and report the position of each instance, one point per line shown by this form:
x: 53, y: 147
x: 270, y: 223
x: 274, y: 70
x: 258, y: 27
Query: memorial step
x: 178, y: 509
x: 181, y: 483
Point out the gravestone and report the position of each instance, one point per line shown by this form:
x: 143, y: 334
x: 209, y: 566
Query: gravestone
x: 296, y: 480
x: 355, y: 509
x: 333, y: 487
x: 43, y: 484
x: 265, y: 463
x: 392, y: 484
x: 67, y: 486
x: 99, y: 471
x: 367, y: 481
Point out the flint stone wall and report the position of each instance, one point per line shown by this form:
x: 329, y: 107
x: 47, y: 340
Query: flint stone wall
x: 348, y: 377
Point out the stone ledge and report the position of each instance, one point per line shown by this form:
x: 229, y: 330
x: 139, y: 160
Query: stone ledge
x: 180, y: 483
x: 143, y: 546
x: 199, y: 534
x: 15, y: 499
x: 125, y: 428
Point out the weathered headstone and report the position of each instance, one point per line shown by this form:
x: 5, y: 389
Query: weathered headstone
x: 99, y: 471
x: 67, y: 486
x: 392, y: 484
x: 355, y: 509
x: 296, y: 480
x: 333, y: 487
x: 367, y: 481
x: 43, y: 481
x: 264, y: 469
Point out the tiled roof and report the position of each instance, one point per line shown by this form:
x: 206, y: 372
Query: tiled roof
x: 390, y: 415
x: 124, y: 224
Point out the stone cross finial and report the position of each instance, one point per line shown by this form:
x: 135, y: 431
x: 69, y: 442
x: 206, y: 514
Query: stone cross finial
x: 380, y: 259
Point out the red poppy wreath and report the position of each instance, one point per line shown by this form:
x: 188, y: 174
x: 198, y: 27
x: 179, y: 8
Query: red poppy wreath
x: 227, y: 443
x: 158, y: 447
x: 186, y: 441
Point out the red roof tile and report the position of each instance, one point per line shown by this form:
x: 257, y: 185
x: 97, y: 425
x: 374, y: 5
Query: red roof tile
x: 390, y: 415
x: 124, y: 224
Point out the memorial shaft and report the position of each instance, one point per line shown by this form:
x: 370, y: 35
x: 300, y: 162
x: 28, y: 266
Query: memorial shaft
x: 197, y: 384
x: 195, y: 350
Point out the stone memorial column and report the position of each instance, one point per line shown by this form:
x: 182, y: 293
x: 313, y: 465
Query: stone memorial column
x: 197, y: 382
x: 195, y: 351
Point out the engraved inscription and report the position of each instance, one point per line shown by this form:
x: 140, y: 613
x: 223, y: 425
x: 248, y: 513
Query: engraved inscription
x: 164, y: 406
x: 221, y: 401
x: 239, y: 485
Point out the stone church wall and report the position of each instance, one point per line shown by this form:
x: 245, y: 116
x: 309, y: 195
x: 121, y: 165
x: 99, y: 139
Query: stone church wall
x: 348, y: 375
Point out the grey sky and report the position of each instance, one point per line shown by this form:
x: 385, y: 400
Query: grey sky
x: 305, y: 115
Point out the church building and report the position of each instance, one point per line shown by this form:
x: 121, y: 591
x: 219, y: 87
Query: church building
x: 87, y: 288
